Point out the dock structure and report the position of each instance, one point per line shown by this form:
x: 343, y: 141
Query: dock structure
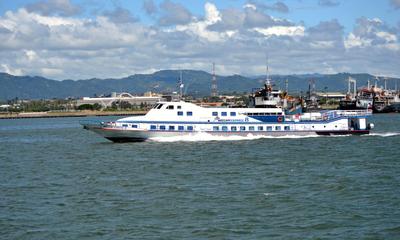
x: 23, y: 115
x: 119, y: 97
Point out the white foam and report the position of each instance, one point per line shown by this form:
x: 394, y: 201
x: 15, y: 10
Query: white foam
x: 202, y: 136
x: 384, y: 134
x: 268, y: 194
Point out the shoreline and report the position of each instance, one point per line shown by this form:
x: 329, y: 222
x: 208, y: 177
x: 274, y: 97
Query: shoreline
x: 69, y: 114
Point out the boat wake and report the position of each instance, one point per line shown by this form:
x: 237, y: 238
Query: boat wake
x: 204, y: 137
x: 384, y: 134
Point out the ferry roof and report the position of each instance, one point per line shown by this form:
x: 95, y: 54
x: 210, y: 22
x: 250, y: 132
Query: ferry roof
x: 194, y: 106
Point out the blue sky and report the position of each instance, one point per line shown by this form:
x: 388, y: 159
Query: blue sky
x: 55, y: 38
x: 308, y: 11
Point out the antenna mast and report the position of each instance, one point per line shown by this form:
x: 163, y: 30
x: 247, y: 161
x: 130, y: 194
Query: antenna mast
x: 268, y: 80
x: 214, y: 89
x: 180, y: 86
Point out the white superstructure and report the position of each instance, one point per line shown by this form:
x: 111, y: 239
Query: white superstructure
x: 182, y: 118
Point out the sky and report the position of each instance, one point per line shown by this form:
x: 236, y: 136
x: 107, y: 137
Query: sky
x: 83, y: 39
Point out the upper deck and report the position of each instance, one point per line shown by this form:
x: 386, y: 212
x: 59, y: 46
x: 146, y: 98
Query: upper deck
x: 189, y: 112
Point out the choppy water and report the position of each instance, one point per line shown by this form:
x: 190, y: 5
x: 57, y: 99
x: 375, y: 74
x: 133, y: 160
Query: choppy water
x: 58, y: 181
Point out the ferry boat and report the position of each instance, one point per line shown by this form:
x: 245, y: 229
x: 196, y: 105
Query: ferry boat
x: 172, y: 119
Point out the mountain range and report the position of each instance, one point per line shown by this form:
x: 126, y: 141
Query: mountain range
x: 197, y: 83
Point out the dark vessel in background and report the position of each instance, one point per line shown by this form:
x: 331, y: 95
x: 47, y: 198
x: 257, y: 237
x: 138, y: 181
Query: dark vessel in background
x: 379, y: 99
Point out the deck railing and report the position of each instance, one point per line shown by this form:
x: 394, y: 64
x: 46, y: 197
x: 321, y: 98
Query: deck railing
x: 345, y: 113
x: 329, y: 115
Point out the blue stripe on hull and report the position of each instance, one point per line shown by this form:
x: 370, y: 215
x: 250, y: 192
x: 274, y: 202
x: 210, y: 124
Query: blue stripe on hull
x: 275, y: 119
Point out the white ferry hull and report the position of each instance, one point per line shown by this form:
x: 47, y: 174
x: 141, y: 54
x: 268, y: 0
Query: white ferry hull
x: 123, y: 135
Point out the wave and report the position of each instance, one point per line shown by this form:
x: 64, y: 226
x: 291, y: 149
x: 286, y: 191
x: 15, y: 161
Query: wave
x: 384, y: 134
x: 201, y: 136
x: 204, y: 137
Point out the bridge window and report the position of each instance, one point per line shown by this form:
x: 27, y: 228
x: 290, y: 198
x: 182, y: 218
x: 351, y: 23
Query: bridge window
x: 189, y: 113
x: 171, y: 128
x: 215, y: 128
x: 224, y: 128
x: 134, y: 126
x: 153, y: 127
x: 190, y: 128
x: 159, y: 106
x: 287, y: 128
x: 269, y: 128
x: 215, y: 114
x: 277, y: 128
x: 224, y: 114
x: 233, y: 128
x: 162, y: 127
x: 251, y: 128
x: 180, y: 113
x: 179, y: 107
x: 242, y: 128
x: 260, y: 128
x: 233, y: 114
x: 170, y: 107
x: 181, y: 128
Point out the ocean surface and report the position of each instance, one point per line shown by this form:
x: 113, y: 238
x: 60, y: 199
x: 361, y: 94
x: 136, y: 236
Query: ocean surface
x: 59, y: 181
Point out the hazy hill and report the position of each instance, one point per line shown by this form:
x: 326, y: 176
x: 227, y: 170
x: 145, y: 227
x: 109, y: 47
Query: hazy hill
x: 196, y: 83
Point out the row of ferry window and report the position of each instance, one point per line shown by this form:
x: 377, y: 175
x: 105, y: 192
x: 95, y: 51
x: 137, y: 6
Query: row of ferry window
x: 171, y: 128
x: 189, y: 113
x: 222, y: 128
x: 224, y: 114
x: 263, y: 114
x: 250, y: 128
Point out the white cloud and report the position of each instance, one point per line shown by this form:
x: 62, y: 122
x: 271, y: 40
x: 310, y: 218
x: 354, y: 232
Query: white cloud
x: 12, y: 71
x: 51, y: 72
x: 356, y: 41
x: 282, y: 31
x: 387, y: 36
x: 249, y: 5
x: 64, y: 47
x: 372, y: 33
x: 200, y: 28
x: 31, y: 55
x: 212, y: 13
x: 323, y: 44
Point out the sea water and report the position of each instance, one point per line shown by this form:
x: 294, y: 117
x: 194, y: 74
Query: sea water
x: 59, y: 181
